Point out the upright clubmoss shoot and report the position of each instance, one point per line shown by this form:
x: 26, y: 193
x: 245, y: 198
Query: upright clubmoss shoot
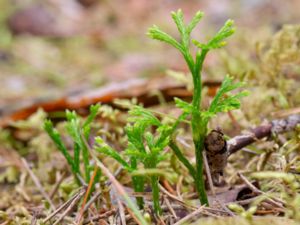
x: 221, y: 103
x: 144, y: 149
x: 79, y: 132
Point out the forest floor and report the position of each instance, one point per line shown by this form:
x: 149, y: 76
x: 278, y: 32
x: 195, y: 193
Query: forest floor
x: 62, y: 56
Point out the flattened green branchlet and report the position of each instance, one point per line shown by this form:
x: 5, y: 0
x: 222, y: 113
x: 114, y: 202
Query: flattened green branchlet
x: 199, y: 117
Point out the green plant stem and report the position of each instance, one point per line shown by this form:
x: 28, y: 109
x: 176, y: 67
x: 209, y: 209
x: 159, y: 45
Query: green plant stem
x: 199, y: 126
x: 138, y: 184
x: 182, y: 159
x: 155, y: 195
x: 86, y: 162
x: 199, y: 135
x: 197, y: 78
x: 196, y: 174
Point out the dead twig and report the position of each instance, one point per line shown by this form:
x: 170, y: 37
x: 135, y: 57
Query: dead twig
x: 190, y: 216
x: 82, y: 190
x: 69, y: 208
x: 178, y: 187
x: 161, y: 220
x: 37, y: 183
x: 170, y: 207
x: 100, y: 216
x: 208, y: 174
x: 57, y: 184
x: 121, y: 212
x: 91, y: 201
x: 175, y: 198
x: 274, y: 201
x: 230, y: 213
x: 274, y: 127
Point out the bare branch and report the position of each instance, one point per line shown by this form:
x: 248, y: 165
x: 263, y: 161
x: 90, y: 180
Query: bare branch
x: 274, y: 127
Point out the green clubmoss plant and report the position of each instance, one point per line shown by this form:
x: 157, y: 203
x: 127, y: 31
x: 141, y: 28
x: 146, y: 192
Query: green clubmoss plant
x: 145, y: 149
x: 221, y: 102
x: 80, y: 133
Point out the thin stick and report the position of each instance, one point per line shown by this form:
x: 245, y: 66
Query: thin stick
x: 248, y: 183
x: 93, y: 199
x: 175, y: 198
x: 275, y: 126
x: 70, y: 207
x: 225, y: 208
x: 37, y: 183
x: 161, y: 221
x: 190, y: 216
x: 178, y: 187
x: 90, y: 217
x: 208, y: 174
x: 121, y: 212
x: 170, y: 207
x: 101, y: 216
x: 57, y: 184
x: 213, y: 210
x: 273, y: 201
x: 62, y: 206
x: 33, y: 220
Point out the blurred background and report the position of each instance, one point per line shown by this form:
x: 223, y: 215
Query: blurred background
x: 51, y: 48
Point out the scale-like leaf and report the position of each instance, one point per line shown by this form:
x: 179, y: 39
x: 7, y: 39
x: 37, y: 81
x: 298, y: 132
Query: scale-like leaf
x: 223, y: 101
x: 155, y: 33
x: 218, y: 40
x: 196, y: 19
x: 185, y: 106
x: 56, y: 138
x: 104, y: 148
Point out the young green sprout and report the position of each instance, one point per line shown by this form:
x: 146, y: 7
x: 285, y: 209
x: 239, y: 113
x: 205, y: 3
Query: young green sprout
x: 144, y: 149
x: 220, y: 103
x: 79, y: 134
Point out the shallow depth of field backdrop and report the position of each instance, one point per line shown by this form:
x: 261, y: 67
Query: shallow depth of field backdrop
x: 55, y: 49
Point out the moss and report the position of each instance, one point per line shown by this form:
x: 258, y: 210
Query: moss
x: 242, y: 221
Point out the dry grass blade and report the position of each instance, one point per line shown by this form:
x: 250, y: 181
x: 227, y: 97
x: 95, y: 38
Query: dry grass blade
x: 138, y: 216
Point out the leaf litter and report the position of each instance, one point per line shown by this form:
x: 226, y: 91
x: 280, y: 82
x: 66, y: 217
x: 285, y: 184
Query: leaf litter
x: 261, y: 178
